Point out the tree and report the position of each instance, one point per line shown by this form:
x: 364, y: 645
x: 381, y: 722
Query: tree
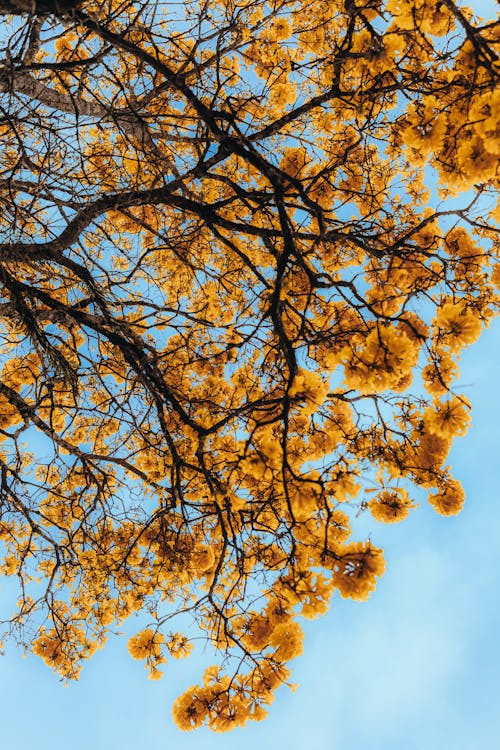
x: 232, y: 312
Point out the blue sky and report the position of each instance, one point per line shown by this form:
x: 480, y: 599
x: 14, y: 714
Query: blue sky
x: 414, y: 668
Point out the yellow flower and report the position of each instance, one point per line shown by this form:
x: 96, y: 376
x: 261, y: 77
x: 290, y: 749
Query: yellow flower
x: 458, y: 242
x: 202, y: 559
x: 144, y: 644
x: 282, y: 94
x: 495, y: 274
x: 288, y: 638
x: 431, y: 450
x: 449, y: 418
x: 384, y: 360
x: 355, y: 568
x: 293, y: 161
x: 478, y: 163
x: 179, y: 646
x: 258, y: 630
x: 190, y: 709
x: 281, y: 29
x: 457, y: 325
x: 8, y: 414
x: 437, y: 376
x: 310, y: 388
x: 390, y: 506
x: 449, y: 500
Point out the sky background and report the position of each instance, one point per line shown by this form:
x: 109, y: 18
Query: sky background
x: 414, y: 668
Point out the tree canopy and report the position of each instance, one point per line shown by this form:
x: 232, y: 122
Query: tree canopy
x: 242, y: 246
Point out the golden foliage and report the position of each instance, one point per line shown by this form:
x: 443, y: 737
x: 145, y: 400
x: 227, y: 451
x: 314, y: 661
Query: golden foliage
x: 231, y: 314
